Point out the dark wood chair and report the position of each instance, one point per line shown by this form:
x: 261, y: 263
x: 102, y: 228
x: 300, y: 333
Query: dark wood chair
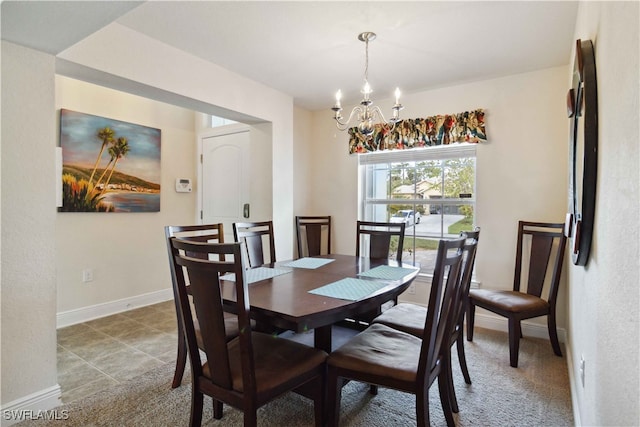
x: 310, y: 231
x: 212, y: 233
x: 378, y: 236
x: 383, y: 356
x: 253, y: 368
x: 254, y: 235
x: 411, y: 318
x: 540, y: 246
x: 375, y: 240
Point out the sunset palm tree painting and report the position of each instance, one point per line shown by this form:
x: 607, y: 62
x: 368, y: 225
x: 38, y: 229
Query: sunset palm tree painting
x: 108, y: 165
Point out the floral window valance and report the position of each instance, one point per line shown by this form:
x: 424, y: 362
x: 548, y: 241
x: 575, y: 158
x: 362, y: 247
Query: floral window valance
x: 421, y: 132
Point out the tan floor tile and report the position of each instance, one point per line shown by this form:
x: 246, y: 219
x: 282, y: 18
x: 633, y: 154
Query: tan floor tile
x: 169, y: 356
x: 98, y: 384
x: 77, y: 340
x: 126, y: 364
x: 156, y: 345
x: 117, y: 326
x: 168, y: 306
x: 106, y: 321
x: 142, y: 312
x: 169, y: 325
x: 80, y: 375
x: 134, y: 335
x: 69, y: 331
x: 92, y: 351
x: 67, y: 361
x: 101, y: 352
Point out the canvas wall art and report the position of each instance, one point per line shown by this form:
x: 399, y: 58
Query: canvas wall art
x: 108, y: 165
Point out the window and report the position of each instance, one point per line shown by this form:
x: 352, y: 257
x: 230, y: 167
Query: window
x: 216, y: 121
x: 432, y: 190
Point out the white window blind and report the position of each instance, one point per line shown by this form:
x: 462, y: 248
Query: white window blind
x: 440, y: 152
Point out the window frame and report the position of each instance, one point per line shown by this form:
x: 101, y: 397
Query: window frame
x: 453, y: 151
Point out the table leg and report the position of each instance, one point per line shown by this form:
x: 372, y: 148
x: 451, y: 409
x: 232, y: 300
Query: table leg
x: 322, y: 338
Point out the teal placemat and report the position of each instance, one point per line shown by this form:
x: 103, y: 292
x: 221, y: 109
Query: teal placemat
x: 307, y: 262
x: 257, y: 274
x: 349, y: 289
x: 387, y: 272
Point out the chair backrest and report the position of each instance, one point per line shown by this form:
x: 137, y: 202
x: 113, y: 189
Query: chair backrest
x: 543, y: 246
x: 204, y: 276
x: 444, y: 287
x: 197, y: 233
x: 468, y: 262
x: 254, y: 234
x: 379, y: 238
x: 310, y: 232
x: 211, y: 233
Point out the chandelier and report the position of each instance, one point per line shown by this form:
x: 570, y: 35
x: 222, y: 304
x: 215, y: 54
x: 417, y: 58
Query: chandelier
x: 365, y: 112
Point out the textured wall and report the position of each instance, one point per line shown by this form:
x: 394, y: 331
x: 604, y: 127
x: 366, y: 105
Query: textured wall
x: 605, y: 296
x: 28, y: 223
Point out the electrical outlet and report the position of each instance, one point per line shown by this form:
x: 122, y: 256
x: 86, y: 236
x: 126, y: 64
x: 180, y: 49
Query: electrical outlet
x: 87, y: 275
x: 411, y: 289
x: 582, y: 366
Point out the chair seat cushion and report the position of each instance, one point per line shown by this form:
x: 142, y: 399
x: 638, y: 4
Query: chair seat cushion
x: 515, y: 302
x: 409, y: 318
x: 380, y: 351
x: 271, y: 354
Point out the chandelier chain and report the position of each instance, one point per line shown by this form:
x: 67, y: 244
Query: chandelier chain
x: 366, y: 60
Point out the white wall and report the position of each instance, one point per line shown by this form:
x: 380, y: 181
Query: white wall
x: 28, y: 229
x: 521, y: 170
x: 126, y: 252
x: 604, y: 295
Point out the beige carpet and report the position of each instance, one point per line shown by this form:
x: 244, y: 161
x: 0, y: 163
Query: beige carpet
x: 535, y: 394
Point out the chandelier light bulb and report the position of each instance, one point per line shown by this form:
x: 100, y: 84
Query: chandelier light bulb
x: 366, y: 90
x: 338, y: 98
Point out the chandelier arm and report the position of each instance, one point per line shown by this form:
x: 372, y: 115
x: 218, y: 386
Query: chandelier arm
x: 356, y: 110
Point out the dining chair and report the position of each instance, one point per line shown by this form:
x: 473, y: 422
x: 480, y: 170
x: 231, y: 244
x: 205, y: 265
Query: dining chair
x: 411, y: 318
x: 376, y: 239
x: 253, y: 368
x: 383, y: 356
x: 254, y: 235
x: 205, y: 233
x: 310, y: 231
x: 540, y: 246
x: 213, y: 233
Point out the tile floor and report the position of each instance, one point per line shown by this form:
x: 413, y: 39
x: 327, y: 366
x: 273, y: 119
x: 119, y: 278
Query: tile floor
x: 103, y: 352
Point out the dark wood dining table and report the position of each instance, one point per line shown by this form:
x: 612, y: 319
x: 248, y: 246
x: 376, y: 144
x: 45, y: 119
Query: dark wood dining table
x: 284, y: 301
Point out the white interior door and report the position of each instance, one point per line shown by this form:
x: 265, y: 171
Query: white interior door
x: 225, y: 179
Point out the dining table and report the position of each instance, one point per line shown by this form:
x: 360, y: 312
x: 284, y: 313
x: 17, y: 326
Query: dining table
x: 314, y: 293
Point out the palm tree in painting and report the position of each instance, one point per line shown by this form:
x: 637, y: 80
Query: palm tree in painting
x: 107, y: 136
x: 119, y: 149
x: 112, y: 153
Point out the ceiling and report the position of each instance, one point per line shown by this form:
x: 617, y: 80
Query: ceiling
x: 309, y: 49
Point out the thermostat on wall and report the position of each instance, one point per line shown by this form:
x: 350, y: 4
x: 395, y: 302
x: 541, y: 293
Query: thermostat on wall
x: 183, y: 185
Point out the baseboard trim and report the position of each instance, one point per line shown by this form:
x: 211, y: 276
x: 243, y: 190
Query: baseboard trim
x: 534, y: 330
x: 34, y: 406
x: 84, y: 314
x: 574, y: 384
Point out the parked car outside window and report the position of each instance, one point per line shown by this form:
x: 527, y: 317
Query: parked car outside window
x: 409, y: 217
